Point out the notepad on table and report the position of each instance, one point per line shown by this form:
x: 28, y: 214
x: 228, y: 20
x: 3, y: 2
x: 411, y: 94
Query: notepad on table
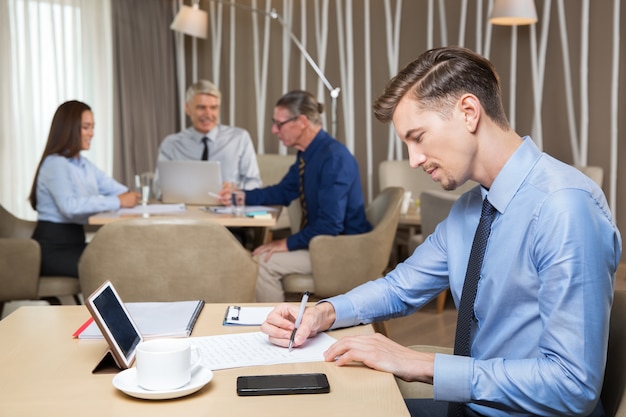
x: 245, y: 316
x: 154, y: 319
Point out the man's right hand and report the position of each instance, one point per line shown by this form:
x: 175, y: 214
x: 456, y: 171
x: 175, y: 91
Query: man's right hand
x: 281, y: 321
x: 129, y: 199
x: 225, y: 194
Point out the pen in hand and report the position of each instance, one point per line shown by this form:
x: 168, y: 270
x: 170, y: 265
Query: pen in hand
x: 305, y: 299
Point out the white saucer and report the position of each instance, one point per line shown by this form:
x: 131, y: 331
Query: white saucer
x: 126, y: 381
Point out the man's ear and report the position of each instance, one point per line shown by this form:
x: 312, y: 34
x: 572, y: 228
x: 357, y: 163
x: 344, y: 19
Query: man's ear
x: 470, y: 106
x: 187, y: 109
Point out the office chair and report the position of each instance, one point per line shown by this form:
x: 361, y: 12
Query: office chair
x: 20, y: 264
x: 273, y: 168
x: 343, y: 262
x: 435, y: 206
x: 400, y: 174
x: 596, y: 173
x: 162, y: 259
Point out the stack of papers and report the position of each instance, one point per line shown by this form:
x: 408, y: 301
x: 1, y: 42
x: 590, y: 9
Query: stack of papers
x: 154, y: 209
x: 254, y: 211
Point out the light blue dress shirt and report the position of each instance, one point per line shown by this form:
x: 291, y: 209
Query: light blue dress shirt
x: 69, y: 190
x: 544, y: 297
x: 231, y: 146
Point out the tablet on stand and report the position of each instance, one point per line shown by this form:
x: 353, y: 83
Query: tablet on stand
x: 117, y: 326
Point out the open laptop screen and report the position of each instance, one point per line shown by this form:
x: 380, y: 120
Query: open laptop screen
x: 189, y: 182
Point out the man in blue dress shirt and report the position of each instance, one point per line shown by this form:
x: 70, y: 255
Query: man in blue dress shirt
x: 540, y: 321
x: 325, y: 177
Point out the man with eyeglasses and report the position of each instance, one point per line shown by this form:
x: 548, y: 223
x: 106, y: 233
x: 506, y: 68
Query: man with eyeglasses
x: 325, y: 178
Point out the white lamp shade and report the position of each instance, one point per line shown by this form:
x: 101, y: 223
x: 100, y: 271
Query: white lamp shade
x: 513, y: 12
x: 191, y: 21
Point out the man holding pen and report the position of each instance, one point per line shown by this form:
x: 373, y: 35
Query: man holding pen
x: 534, y: 313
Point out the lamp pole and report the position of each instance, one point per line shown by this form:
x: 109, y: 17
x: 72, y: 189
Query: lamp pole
x: 334, y: 91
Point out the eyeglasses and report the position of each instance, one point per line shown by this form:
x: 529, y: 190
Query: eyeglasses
x: 281, y: 124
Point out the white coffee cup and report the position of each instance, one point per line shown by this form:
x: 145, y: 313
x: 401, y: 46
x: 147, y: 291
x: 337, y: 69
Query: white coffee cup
x: 165, y: 364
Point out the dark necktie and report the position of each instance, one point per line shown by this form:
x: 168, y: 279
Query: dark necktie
x: 205, y: 152
x: 470, y: 285
x: 301, y: 193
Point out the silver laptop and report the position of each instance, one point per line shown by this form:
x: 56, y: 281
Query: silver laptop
x: 189, y: 182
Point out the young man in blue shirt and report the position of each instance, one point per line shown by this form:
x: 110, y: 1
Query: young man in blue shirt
x: 538, y: 327
x: 325, y: 177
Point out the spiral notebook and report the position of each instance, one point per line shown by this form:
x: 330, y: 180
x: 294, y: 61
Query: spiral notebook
x: 154, y: 319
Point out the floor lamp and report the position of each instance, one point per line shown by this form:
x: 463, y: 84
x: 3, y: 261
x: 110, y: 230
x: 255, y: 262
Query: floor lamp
x: 334, y: 91
x: 514, y: 13
x: 190, y: 21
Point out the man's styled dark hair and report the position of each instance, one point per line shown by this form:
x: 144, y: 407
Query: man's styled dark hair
x: 438, y: 78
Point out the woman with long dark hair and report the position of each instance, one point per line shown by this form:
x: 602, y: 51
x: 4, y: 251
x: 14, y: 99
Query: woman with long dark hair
x: 68, y: 188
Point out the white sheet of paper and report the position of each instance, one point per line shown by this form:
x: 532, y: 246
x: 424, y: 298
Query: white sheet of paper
x: 246, y: 316
x: 250, y: 349
x: 154, y: 209
x: 247, y: 209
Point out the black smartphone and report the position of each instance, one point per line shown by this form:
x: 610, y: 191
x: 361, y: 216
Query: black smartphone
x: 282, y: 384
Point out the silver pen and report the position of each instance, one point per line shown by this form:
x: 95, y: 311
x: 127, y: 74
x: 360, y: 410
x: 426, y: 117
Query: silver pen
x: 305, y: 299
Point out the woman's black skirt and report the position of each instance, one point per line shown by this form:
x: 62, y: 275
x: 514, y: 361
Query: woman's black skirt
x: 61, y: 247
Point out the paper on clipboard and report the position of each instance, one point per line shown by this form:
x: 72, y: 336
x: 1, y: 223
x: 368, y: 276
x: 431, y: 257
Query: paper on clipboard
x: 245, y: 316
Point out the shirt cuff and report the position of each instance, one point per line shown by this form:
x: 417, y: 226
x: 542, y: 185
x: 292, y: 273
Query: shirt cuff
x: 452, y: 378
x: 343, y: 312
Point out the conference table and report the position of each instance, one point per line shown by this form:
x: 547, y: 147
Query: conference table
x: 410, y: 221
x: 190, y: 212
x: 47, y: 372
x: 197, y: 212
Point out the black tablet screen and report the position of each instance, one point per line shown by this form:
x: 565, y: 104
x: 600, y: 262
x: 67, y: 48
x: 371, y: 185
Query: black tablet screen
x: 117, y: 321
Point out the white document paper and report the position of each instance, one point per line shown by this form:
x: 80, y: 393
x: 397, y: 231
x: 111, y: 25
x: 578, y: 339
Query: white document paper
x: 247, y: 209
x: 251, y: 349
x: 154, y: 209
x: 246, y: 316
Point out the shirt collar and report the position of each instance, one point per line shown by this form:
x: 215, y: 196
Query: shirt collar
x: 314, y: 145
x: 197, y: 136
x: 513, y: 174
x: 78, y: 161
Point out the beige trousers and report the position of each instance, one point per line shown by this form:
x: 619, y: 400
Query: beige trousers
x: 269, y: 287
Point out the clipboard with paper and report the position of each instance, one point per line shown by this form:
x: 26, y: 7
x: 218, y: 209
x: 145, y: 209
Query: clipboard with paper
x: 245, y: 316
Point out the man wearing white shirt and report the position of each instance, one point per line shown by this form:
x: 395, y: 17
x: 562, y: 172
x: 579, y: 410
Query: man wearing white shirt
x: 231, y: 146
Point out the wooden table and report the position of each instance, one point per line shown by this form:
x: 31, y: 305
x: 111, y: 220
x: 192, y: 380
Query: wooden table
x: 262, y: 225
x: 47, y: 372
x: 411, y: 221
x: 194, y: 212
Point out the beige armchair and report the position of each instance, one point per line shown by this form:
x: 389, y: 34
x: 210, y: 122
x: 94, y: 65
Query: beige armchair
x: 273, y: 168
x: 435, y: 206
x: 596, y: 173
x: 400, y: 174
x: 162, y: 259
x: 614, y: 389
x: 613, y: 393
x: 20, y: 263
x: 341, y: 263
